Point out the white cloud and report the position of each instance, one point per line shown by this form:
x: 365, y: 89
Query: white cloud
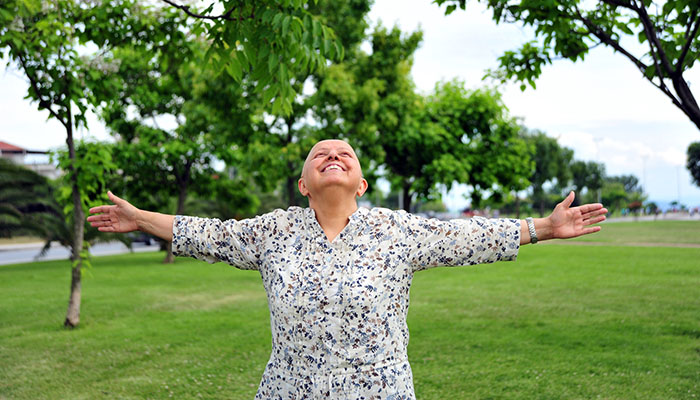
x: 672, y: 156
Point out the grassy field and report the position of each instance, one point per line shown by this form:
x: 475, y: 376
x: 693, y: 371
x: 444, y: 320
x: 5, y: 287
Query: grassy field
x: 646, y: 232
x: 563, y: 322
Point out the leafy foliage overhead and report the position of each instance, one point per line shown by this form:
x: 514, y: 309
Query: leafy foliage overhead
x: 667, y: 31
x: 272, y: 40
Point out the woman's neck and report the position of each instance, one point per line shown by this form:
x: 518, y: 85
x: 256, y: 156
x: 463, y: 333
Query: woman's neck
x: 333, y: 216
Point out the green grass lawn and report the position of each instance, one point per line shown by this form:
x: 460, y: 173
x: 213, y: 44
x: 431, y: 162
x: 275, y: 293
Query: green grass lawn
x: 667, y: 232
x: 563, y: 322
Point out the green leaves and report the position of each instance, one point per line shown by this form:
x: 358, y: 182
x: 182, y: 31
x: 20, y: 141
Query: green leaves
x: 669, y: 32
x: 272, y: 43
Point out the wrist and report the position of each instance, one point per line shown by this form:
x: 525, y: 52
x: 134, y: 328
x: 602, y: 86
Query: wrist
x: 140, y: 220
x: 544, y: 228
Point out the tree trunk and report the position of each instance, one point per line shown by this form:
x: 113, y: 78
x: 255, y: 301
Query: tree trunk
x: 169, y: 257
x: 183, y: 184
x: 517, y: 206
x: 406, y: 193
x: 73, y: 313
x: 577, y: 198
x: 542, y: 207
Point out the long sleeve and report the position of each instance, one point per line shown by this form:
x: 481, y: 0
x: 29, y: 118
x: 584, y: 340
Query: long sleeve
x: 238, y: 243
x: 477, y: 240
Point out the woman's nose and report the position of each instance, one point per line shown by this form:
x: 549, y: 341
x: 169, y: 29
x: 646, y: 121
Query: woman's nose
x: 333, y: 155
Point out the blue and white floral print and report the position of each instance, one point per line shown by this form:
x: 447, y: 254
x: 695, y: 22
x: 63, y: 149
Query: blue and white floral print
x: 338, y: 309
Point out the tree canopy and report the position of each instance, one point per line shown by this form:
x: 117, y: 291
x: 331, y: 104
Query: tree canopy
x: 668, y: 32
x: 44, y: 40
x: 422, y: 143
x: 270, y: 41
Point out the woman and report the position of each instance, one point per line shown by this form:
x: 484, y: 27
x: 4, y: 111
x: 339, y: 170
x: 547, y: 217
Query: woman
x: 337, y: 276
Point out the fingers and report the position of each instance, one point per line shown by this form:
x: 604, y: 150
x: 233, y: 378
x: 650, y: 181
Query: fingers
x: 568, y: 200
x: 103, y: 209
x: 592, y: 229
x: 113, y: 198
x: 586, y: 208
x: 594, y: 213
x: 99, y: 222
x: 100, y: 209
x: 99, y: 217
x: 595, y: 220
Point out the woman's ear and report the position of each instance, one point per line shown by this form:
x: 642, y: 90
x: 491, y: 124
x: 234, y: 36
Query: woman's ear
x: 362, y: 188
x: 302, y: 187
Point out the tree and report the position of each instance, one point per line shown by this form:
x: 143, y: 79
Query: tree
x: 693, y: 163
x: 629, y: 182
x: 96, y: 172
x: 271, y: 42
x: 423, y: 143
x: 551, y: 166
x: 278, y: 149
x: 622, y: 191
x: 614, y: 196
x: 586, y: 175
x: 171, y: 82
x: 570, y: 29
x: 43, y: 40
x: 372, y: 100
x: 480, y: 144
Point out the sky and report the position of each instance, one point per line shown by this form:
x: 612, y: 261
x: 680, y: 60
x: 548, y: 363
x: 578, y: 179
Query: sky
x: 602, y: 108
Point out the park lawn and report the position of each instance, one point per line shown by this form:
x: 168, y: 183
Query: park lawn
x: 563, y: 322
x: 645, y: 232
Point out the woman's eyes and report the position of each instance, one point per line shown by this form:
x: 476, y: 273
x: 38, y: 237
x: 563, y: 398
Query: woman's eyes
x: 342, y: 154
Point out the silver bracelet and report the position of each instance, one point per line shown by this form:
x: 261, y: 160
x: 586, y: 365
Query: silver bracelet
x: 531, y: 228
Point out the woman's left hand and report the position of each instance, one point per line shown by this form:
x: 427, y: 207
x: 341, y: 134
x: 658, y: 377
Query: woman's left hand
x: 569, y: 222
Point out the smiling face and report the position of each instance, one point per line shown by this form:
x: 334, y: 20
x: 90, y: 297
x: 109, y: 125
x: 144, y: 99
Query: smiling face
x: 332, y: 164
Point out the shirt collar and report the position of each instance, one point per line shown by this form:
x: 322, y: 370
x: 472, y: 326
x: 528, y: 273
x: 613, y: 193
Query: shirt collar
x: 355, y: 219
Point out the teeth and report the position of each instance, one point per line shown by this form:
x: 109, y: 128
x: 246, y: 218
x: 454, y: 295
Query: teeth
x: 330, y: 167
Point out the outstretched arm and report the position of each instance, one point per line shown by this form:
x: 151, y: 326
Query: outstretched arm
x: 122, y: 217
x: 565, y: 221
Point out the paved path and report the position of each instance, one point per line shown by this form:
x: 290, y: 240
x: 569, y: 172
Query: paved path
x: 28, y: 252
x: 660, y: 217
x: 631, y: 244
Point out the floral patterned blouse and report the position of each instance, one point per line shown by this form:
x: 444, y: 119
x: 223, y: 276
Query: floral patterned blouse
x: 338, y: 309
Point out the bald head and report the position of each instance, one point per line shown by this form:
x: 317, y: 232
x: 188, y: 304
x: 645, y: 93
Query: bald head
x: 332, y: 168
x: 323, y: 147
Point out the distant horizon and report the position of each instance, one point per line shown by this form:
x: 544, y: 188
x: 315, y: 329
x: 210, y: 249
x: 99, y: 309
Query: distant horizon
x: 663, y: 203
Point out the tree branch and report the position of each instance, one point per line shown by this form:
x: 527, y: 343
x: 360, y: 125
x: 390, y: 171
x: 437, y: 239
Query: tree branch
x: 225, y: 16
x: 657, y: 68
x: 45, y: 104
x: 689, y: 37
x: 605, y: 38
x: 651, y: 35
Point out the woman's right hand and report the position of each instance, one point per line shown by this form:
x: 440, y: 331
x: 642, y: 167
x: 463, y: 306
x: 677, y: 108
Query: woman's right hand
x: 121, y: 217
